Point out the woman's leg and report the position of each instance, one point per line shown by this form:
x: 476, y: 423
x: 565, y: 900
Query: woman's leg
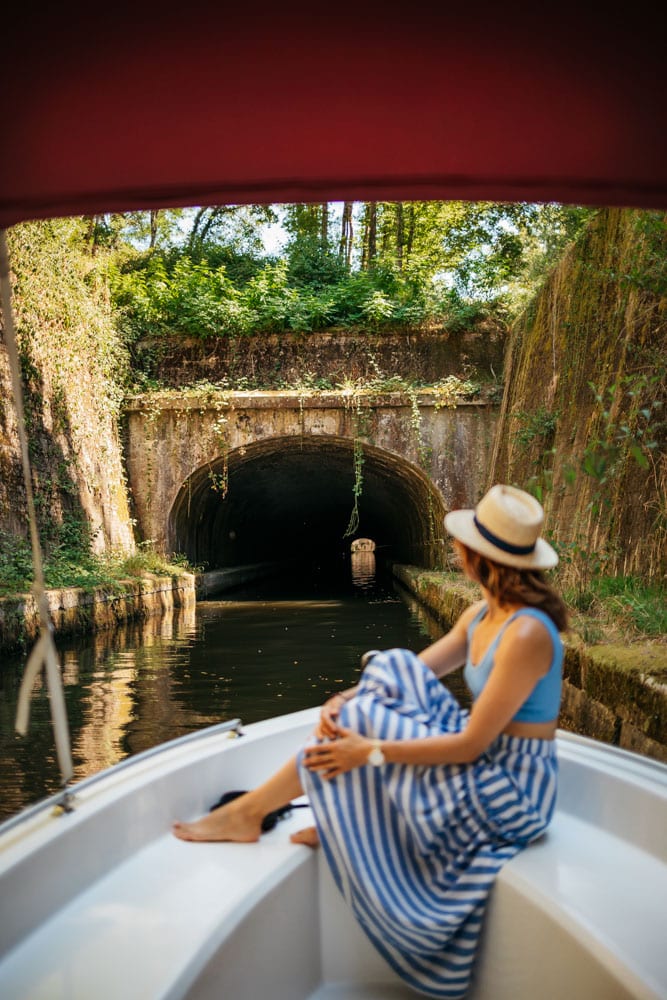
x: 241, y: 819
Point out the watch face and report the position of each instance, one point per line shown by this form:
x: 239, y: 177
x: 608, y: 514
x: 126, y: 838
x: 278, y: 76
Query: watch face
x: 376, y: 757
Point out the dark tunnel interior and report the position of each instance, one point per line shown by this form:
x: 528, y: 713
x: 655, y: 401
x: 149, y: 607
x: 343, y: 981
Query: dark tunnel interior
x: 291, y: 499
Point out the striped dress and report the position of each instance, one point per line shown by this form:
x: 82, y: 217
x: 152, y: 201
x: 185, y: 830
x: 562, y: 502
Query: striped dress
x: 415, y: 849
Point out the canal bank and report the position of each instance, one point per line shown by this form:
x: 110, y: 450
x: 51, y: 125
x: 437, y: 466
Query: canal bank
x: 615, y: 694
x: 77, y: 610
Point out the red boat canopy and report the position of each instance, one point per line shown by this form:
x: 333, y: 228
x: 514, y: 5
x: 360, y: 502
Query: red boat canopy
x: 141, y: 106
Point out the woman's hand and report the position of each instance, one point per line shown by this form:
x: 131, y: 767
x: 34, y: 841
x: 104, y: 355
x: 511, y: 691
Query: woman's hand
x: 327, y: 728
x: 349, y: 750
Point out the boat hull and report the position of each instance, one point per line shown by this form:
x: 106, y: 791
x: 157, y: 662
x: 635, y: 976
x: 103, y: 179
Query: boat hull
x: 104, y: 901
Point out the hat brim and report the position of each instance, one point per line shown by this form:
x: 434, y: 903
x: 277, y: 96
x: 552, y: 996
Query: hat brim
x: 460, y: 524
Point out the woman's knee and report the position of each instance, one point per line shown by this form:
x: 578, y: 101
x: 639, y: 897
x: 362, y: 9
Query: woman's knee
x: 395, y: 673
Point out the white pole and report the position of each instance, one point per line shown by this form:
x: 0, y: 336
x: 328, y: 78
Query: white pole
x: 44, y: 652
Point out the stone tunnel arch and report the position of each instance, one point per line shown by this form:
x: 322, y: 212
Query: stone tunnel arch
x: 281, y: 498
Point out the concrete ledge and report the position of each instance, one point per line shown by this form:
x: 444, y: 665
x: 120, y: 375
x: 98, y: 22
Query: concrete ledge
x: 216, y: 581
x: 615, y: 694
x: 291, y: 399
x: 74, y: 609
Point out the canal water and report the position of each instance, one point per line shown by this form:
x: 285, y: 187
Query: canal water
x: 271, y: 648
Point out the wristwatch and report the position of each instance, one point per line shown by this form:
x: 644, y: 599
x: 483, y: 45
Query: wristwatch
x: 376, y: 757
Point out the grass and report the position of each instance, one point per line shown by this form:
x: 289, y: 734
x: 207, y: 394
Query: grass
x: 78, y: 567
x: 610, y: 610
x: 618, y: 609
x: 450, y: 388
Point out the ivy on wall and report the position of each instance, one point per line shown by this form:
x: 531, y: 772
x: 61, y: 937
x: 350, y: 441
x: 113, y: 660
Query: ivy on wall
x: 74, y: 369
x: 583, y: 417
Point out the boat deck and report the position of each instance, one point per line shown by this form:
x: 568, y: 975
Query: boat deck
x: 579, y: 914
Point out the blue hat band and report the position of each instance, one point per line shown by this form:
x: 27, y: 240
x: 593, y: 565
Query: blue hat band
x: 515, y: 550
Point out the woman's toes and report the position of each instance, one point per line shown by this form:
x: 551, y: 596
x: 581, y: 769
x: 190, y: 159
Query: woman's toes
x: 308, y: 836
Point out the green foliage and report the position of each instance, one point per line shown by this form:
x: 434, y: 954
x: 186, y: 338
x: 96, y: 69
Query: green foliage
x: 396, y: 266
x: 157, y: 295
x: 647, y: 268
x: 535, y: 436
x: 634, y: 607
x: 357, y: 488
x: 312, y: 264
x: 189, y: 297
x: 235, y: 227
x: 629, y: 424
x: 539, y: 427
x: 15, y: 564
x: 70, y: 561
x: 578, y: 565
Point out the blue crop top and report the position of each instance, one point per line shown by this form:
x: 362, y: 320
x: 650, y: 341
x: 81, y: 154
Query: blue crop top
x: 543, y: 703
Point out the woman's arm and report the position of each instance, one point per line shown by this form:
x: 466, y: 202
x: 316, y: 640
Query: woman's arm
x: 449, y: 652
x: 523, y: 656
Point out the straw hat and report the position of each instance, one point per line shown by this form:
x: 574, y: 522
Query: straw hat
x: 505, y: 526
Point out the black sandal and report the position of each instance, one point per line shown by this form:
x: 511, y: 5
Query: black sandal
x: 271, y: 818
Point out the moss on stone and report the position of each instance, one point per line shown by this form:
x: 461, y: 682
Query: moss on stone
x: 597, y: 326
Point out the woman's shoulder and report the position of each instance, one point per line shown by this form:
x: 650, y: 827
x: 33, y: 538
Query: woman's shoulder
x: 470, y: 613
x: 533, y: 619
x: 533, y: 629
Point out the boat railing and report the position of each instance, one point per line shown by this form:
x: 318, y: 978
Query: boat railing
x: 63, y: 802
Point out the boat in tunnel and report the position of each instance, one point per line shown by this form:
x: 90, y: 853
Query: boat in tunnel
x: 110, y: 109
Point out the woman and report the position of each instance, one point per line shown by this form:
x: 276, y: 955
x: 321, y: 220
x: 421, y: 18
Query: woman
x: 417, y: 802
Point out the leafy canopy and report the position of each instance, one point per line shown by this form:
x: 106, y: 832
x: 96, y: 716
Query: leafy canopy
x: 207, y: 272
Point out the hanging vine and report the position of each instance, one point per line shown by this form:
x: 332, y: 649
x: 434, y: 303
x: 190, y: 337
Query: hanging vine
x: 357, y: 488
x: 360, y: 424
x: 220, y: 480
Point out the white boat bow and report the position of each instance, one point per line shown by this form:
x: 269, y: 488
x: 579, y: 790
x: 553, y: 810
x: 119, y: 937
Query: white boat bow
x: 104, y: 902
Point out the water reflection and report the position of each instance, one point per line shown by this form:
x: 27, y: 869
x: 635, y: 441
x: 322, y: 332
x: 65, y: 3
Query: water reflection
x: 363, y: 569
x: 269, y: 651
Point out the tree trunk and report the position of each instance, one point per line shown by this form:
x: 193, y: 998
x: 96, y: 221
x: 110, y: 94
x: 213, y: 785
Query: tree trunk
x: 412, y: 224
x: 346, y: 234
x: 90, y: 233
x: 369, y: 251
x: 194, y: 232
x: 154, y: 213
x: 213, y: 214
x: 325, y: 225
x: 400, y: 235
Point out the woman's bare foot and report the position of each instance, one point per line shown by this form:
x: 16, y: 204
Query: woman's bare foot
x: 308, y: 836
x: 233, y: 821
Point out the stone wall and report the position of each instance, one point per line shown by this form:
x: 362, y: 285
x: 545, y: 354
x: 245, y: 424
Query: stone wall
x: 185, y: 452
x: 582, y: 422
x: 75, y: 610
x: 277, y: 360
x: 73, y: 362
x: 612, y: 694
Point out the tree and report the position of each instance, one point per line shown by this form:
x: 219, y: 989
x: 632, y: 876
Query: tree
x: 236, y: 226
x: 346, y: 236
x: 369, y: 238
x: 310, y: 253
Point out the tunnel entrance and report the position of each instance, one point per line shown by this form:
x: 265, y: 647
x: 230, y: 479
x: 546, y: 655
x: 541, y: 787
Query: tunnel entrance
x: 290, y: 498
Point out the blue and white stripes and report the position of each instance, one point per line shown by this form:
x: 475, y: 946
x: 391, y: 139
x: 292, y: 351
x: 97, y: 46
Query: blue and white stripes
x: 415, y: 849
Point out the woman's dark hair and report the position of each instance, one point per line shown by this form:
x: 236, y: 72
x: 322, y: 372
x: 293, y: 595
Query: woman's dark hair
x: 510, y: 585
